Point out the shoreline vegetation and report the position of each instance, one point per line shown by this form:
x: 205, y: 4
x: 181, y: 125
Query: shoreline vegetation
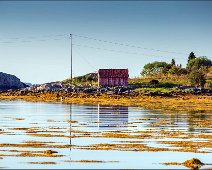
x: 175, y: 102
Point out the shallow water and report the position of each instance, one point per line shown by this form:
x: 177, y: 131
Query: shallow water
x: 55, y: 118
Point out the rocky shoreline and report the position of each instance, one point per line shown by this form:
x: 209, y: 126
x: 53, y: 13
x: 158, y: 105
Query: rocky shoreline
x: 181, y: 98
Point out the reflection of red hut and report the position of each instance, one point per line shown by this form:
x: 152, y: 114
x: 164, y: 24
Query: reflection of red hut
x: 112, y: 117
x: 113, y: 77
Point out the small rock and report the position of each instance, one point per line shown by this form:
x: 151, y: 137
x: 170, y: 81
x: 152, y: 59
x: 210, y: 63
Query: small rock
x: 193, y: 163
x: 49, y: 152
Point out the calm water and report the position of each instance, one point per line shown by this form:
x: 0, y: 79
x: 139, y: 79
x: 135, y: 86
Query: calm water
x: 92, y: 118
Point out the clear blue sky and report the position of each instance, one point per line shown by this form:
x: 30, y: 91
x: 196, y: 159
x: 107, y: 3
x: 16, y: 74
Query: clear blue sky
x: 35, y: 44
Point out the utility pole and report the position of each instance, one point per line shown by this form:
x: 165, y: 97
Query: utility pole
x: 71, y: 87
x: 71, y: 57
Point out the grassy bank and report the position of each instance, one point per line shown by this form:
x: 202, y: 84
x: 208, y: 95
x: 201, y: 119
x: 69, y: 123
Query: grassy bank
x: 180, y: 103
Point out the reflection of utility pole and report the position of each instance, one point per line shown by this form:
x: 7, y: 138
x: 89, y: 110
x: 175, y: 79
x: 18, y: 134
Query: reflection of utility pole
x: 71, y: 57
x: 70, y: 123
x: 98, y: 110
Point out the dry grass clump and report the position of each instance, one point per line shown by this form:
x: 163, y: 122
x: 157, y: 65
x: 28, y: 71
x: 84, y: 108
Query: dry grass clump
x: 204, y: 136
x: 171, y: 163
x: 2, y: 131
x: 183, y: 146
x: 81, y: 133
x: 43, y: 142
x: 55, y: 127
x: 24, y: 153
x: 46, y: 153
x: 204, y: 123
x: 162, y: 123
x: 173, y: 134
x: 86, y: 161
x: 6, y: 155
x: 47, y: 135
x: 122, y: 147
x: 126, y: 135
x: 190, y: 144
x: 72, y: 121
x: 34, y: 145
x: 41, y: 130
x: 51, y: 120
x: 129, y: 141
x: 95, y: 122
x: 89, y: 161
x: 31, y: 154
x: 19, y: 128
x: 19, y: 119
x: 42, y: 162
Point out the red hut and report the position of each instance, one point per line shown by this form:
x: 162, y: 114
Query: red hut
x: 113, y: 77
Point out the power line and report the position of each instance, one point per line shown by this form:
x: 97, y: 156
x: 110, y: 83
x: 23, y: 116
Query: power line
x: 125, y: 52
x: 86, y: 61
x: 30, y: 39
x: 50, y: 37
x: 58, y: 37
x: 127, y: 45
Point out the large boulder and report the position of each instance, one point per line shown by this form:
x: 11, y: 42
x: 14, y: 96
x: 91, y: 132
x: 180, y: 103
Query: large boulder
x: 8, y: 81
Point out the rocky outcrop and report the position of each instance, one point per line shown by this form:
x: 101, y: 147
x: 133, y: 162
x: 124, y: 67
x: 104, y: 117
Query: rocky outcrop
x: 53, y: 86
x: 8, y: 81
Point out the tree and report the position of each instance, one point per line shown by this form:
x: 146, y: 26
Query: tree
x: 191, y: 56
x: 155, y: 68
x: 177, y: 70
x: 173, y: 62
x: 197, y: 63
x: 197, y: 78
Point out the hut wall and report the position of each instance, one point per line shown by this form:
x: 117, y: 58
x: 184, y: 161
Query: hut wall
x: 113, y: 77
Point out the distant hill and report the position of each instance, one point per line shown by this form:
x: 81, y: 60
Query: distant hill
x: 8, y: 81
x: 28, y: 84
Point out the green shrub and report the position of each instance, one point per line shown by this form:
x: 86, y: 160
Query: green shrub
x: 197, y: 78
x: 166, y: 85
x: 210, y: 85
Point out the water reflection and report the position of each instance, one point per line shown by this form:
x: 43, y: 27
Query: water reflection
x: 189, y: 121
x: 47, y: 118
x: 100, y: 117
x: 112, y: 117
x: 193, y: 117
